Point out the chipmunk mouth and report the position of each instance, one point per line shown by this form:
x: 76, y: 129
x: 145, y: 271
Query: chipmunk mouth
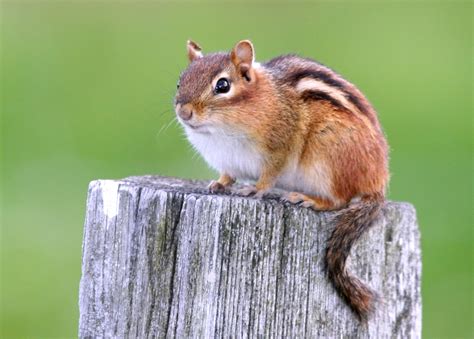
x: 197, y: 128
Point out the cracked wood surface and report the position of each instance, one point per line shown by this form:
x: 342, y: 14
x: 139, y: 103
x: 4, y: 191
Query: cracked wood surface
x: 164, y: 258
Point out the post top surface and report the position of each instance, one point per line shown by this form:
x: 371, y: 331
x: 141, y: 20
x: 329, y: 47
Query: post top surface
x: 199, y: 187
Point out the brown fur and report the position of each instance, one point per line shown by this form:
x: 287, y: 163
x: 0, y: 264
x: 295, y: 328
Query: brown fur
x: 336, y: 127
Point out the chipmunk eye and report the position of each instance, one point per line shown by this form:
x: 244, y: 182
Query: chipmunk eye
x: 222, y: 86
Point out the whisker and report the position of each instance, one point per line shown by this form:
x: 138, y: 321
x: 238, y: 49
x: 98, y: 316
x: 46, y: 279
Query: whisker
x: 165, y: 127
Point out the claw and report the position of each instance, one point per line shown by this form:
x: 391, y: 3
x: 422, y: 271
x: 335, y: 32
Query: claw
x: 216, y: 187
x: 294, y: 197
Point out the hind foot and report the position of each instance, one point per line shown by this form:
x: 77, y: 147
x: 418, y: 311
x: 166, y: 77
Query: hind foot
x: 316, y: 203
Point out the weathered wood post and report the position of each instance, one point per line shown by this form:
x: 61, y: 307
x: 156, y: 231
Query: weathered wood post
x: 163, y: 258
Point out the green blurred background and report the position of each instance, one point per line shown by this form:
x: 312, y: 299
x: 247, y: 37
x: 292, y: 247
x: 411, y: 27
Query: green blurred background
x: 87, y: 92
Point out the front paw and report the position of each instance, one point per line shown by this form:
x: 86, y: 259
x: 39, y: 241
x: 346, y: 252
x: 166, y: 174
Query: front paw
x: 216, y: 187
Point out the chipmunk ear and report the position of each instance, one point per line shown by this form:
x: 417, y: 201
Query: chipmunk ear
x: 243, y: 56
x: 194, y: 51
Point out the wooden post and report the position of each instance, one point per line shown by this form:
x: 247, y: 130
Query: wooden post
x: 163, y: 257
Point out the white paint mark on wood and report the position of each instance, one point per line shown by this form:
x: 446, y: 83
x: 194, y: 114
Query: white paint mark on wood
x: 110, y: 197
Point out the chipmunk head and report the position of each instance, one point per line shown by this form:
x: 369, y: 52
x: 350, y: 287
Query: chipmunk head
x: 216, y: 87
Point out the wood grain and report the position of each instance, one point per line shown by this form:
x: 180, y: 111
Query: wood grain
x: 164, y: 258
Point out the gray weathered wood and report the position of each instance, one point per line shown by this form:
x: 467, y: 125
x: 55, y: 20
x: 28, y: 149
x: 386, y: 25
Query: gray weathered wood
x: 162, y: 257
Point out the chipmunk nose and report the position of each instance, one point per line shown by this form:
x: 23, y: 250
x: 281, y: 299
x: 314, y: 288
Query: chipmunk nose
x: 185, y: 112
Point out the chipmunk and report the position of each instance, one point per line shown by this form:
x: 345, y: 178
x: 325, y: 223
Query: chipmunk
x: 294, y: 124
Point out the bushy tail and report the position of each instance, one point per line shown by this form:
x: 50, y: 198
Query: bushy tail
x: 350, y: 225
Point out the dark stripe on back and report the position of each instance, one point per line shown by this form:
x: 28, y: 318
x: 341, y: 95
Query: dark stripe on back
x: 325, y: 77
x: 277, y: 61
x: 321, y: 95
x: 319, y: 72
x: 356, y: 101
x: 328, y: 79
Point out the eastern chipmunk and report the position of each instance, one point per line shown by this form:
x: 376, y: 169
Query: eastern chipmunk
x: 295, y: 124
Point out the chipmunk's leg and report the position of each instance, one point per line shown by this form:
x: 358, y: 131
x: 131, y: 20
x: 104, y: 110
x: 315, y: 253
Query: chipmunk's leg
x: 264, y: 184
x: 219, y: 185
x: 314, y: 202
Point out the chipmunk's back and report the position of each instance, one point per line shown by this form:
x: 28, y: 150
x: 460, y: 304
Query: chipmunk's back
x: 316, y: 81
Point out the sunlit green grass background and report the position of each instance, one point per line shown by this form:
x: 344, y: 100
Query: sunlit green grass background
x: 87, y: 92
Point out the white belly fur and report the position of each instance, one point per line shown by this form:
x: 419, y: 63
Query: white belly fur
x: 237, y: 157
x: 233, y: 155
